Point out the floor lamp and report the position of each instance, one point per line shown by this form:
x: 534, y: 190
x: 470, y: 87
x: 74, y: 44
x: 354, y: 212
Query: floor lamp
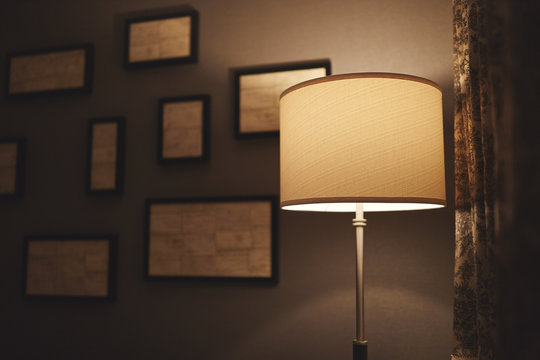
x: 360, y: 143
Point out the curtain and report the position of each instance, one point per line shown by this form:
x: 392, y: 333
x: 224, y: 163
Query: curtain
x: 474, y: 142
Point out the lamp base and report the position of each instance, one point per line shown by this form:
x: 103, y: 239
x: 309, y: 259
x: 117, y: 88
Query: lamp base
x: 359, y: 350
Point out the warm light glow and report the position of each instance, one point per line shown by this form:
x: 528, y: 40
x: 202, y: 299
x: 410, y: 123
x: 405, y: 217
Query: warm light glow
x: 370, y: 138
x: 368, y: 207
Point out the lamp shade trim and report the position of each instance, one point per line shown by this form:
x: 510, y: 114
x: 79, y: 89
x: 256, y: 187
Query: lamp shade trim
x: 364, y: 200
x: 358, y: 76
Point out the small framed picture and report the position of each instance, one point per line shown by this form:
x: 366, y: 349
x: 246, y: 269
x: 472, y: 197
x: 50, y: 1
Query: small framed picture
x: 212, y: 238
x: 105, y: 165
x: 12, y: 165
x: 184, y: 129
x: 70, y: 267
x: 50, y: 71
x: 165, y: 39
x: 257, y: 92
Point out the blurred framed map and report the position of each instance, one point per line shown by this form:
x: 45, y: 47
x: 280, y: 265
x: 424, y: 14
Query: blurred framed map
x: 50, y: 71
x: 70, y: 266
x: 12, y: 165
x: 164, y: 39
x: 105, y: 164
x: 184, y: 129
x: 257, y: 91
x: 212, y: 238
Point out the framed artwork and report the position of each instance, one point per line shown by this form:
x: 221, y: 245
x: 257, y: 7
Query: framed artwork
x: 165, y: 39
x: 105, y: 165
x: 184, y: 129
x: 12, y: 165
x: 212, y: 238
x: 50, y: 71
x: 73, y: 266
x: 257, y: 92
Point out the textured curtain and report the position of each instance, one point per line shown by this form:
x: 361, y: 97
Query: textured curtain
x: 474, y: 141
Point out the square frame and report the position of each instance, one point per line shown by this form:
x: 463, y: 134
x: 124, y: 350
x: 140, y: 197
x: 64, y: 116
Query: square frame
x: 205, y: 123
x: 20, y: 166
x: 111, y: 266
x: 120, y: 154
x: 193, y: 56
x: 273, y: 227
x: 264, y: 70
x: 88, y: 72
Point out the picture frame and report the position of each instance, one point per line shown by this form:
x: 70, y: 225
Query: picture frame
x: 49, y: 71
x: 12, y: 166
x: 164, y: 39
x: 184, y: 129
x: 213, y: 238
x: 257, y: 90
x: 105, y: 155
x: 74, y: 267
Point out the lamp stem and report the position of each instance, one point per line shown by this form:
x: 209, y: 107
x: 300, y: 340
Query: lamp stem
x: 360, y: 343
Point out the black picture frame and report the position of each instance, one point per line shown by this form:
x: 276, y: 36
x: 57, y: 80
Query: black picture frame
x: 262, y: 70
x: 88, y: 72
x: 20, y: 166
x: 205, y: 135
x: 120, y: 154
x: 193, y: 56
x: 112, y: 240
x: 272, y: 278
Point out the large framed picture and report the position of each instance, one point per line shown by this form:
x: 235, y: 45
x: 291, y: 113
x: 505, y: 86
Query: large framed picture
x: 70, y: 267
x: 105, y: 164
x: 50, y: 71
x: 184, y: 129
x: 257, y: 91
x: 165, y: 39
x: 12, y: 165
x: 212, y: 238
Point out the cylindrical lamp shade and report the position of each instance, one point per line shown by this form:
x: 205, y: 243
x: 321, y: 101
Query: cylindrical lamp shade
x: 372, y: 138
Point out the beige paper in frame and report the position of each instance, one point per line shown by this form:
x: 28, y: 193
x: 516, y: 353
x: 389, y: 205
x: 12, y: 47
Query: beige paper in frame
x: 68, y: 267
x: 211, y: 239
x: 8, y: 167
x: 183, y: 129
x: 50, y: 71
x: 104, y: 156
x: 160, y: 39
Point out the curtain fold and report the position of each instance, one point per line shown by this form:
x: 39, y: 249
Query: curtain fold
x: 475, y: 115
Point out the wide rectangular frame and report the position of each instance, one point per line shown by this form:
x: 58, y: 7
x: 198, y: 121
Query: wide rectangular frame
x: 205, y: 99
x: 274, y: 206
x: 264, y: 69
x: 19, y: 167
x: 194, y: 40
x: 88, y: 72
x: 112, y: 266
x: 120, y: 154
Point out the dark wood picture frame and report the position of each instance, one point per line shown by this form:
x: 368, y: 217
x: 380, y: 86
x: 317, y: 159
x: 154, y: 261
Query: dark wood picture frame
x: 112, y: 252
x: 46, y: 90
x: 266, y: 70
x: 272, y: 260
x: 120, y: 155
x: 20, y: 166
x: 193, y: 55
x: 205, y: 129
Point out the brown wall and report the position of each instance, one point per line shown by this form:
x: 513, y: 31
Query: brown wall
x: 310, y: 313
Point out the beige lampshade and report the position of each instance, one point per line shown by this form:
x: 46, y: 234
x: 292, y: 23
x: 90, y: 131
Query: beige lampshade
x: 371, y: 138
